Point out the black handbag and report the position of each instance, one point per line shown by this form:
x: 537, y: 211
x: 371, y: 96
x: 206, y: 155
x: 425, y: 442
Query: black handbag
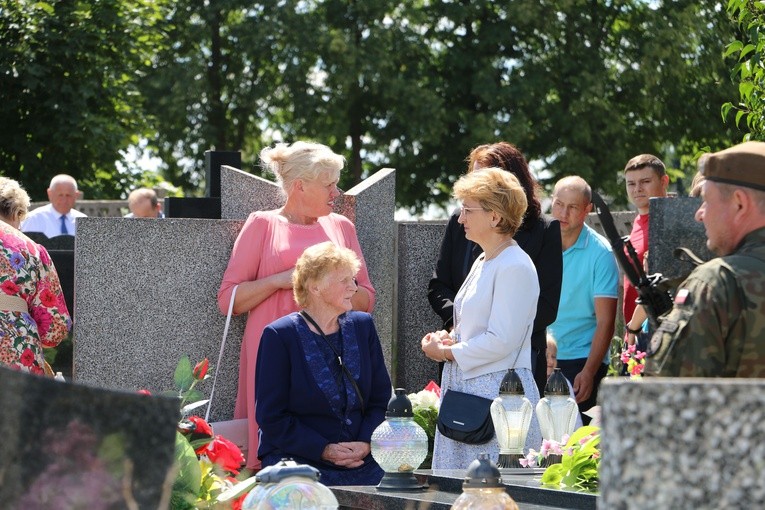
x: 465, y: 418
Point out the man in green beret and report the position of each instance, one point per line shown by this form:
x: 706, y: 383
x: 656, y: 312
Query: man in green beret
x: 717, y: 325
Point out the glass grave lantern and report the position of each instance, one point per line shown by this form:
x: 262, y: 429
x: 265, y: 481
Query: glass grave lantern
x: 557, y: 412
x: 483, y: 488
x: 511, y: 414
x: 289, y: 485
x: 399, y: 445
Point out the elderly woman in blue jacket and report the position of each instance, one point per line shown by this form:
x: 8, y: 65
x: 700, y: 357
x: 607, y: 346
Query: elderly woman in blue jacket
x: 322, y: 386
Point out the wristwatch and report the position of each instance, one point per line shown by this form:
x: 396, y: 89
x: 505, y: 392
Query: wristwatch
x: 633, y: 331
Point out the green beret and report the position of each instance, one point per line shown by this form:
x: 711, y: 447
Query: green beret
x: 741, y: 165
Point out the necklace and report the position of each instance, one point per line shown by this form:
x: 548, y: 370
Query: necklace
x: 498, y: 249
x: 293, y: 219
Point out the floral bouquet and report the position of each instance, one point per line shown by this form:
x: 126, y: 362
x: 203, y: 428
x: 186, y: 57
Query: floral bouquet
x: 425, y: 406
x: 207, y: 463
x: 580, y: 458
x: 634, y: 361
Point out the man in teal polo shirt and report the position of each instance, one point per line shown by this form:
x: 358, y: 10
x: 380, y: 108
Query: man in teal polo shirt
x: 587, y: 309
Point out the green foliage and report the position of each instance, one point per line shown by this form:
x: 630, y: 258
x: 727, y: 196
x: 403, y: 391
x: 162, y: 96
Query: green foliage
x: 68, y: 96
x: 749, y: 70
x: 189, y: 480
x: 427, y: 417
x: 185, y: 383
x: 580, y: 86
x: 578, y: 468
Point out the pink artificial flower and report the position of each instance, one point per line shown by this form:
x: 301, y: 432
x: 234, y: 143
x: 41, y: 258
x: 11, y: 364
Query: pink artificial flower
x: 546, y: 446
x: 625, y: 357
x: 144, y: 392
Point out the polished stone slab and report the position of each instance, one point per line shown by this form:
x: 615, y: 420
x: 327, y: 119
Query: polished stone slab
x: 672, y: 225
x: 67, y: 446
x: 445, y: 486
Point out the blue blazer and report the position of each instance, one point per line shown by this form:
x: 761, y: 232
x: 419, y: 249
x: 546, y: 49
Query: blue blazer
x: 299, y: 405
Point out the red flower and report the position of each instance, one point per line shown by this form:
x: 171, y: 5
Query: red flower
x: 196, y: 430
x: 226, y: 454
x: 9, y: 287
x: 434, y: 387
x: 27, y: 357
x: 200, y: 369
x: 48, y: 298
x: 201, y: 427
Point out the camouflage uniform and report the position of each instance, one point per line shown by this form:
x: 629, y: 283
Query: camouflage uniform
x: 717, y: 325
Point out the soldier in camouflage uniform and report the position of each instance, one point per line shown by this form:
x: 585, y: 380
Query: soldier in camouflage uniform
x: 717, y: 325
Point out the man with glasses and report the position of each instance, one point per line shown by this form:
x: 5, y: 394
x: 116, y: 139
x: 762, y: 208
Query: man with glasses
x: 589, y: 293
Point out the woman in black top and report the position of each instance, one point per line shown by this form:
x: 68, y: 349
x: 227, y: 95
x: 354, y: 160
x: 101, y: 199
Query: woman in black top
x: 538, y: 236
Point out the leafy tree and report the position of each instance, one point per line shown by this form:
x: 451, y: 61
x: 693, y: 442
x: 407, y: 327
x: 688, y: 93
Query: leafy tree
x: 242, y: 76
x: 213, y: 87
x: 580, y: 86
x: 749, y: 71
x: 68, y: 100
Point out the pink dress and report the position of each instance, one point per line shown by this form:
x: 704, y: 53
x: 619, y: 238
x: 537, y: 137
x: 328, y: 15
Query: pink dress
x: 27, y: 272
x: 269, y: 244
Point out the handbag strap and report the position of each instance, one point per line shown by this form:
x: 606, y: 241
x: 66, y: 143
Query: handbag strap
x: 222, y: 347
x: 337, y: 357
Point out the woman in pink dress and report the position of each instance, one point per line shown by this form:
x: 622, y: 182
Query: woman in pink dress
x: 268, y: 246
x: 33, y: 312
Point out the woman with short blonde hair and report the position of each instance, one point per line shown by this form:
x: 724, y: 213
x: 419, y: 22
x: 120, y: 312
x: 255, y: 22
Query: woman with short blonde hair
x: 322, y: 386
x: 496, y: 191
x: 494, y: 309
x: 538, y: 235
x: 14, y: 202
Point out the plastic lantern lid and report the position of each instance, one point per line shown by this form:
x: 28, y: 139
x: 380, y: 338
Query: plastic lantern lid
x: 286, y: 468
x: 399, y: 405
x: 511, y: 384
x: 557, y: 384
x: 482, y: 473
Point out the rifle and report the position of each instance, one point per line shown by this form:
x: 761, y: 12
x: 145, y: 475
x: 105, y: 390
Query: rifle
x: 652, y: 290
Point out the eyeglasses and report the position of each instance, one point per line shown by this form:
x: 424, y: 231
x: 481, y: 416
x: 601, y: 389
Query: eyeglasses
x: 465, y: 210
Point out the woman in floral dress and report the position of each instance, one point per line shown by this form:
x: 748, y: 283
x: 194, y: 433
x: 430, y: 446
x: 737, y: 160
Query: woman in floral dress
x: 33, y: 312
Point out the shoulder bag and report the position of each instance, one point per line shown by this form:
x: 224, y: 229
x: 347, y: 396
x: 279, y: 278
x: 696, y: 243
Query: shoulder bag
x: 465, y: 418
x: 235, y: 431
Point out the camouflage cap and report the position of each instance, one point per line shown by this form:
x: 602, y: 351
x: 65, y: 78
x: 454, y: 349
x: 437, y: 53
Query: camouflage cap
x: 740, y: 165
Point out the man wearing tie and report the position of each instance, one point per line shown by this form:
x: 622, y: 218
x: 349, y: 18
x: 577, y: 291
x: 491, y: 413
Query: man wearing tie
x: 56, y: 218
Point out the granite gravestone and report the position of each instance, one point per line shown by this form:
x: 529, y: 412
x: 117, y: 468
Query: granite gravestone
x: 672, y: 225
x: 68, y: 446
x: 682, y: 443
x: 146, y: 292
